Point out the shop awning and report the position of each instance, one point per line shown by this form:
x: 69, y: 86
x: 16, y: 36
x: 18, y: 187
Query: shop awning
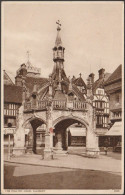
x: 116, y: 130
x: 78, y: 132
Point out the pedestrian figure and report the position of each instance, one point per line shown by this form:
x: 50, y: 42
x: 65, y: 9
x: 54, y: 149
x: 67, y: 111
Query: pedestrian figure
x: 106, y: 146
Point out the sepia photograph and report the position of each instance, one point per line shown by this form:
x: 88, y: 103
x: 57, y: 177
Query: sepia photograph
x: 62, y: 97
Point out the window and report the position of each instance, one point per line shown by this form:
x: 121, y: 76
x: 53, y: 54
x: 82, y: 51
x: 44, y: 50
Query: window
x: 99, y: 104
x: 101, y: 121
x: 10, y: 109
x: 100, y: 91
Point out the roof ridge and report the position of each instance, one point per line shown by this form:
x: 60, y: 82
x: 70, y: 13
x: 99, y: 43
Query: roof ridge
x: 115, y: 75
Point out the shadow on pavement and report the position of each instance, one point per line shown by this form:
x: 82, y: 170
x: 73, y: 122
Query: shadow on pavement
x: 76, y: 179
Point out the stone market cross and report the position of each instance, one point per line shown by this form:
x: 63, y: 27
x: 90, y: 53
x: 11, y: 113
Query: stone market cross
x: 57, y: 103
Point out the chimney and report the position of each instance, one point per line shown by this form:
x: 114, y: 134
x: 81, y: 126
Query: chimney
x: 92, y: 77
x: 89, y: 87
x: 101, y: 73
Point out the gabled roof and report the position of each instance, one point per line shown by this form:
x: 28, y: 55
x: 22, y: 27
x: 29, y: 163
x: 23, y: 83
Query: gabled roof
x: 78, y: 92
x: 116, y: 75
x: 79, y: 82
x: 100, y: 82
x: 38, y: 81
x: 7, y: 79
x: 12, y: 94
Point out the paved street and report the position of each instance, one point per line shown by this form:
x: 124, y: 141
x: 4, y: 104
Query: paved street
x: 70, y: 172
x: 40, y: 177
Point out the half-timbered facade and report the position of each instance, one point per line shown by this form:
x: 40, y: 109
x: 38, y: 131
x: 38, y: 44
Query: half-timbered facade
x: 12, y: 102
x: 101, y: 104
x: 113, y: 88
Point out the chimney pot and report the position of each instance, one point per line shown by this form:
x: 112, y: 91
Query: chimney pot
x: 92, y: 77
x: 101, y: 73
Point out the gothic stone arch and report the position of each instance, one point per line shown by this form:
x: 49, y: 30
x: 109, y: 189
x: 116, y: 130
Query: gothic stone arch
x: 33, y: 123
x: 92, y: 149
x: 61, y: 118
x: 52, y: 117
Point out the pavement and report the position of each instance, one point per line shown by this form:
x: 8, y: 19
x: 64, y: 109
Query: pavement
x: 104, y: 163
x: 21, y: 176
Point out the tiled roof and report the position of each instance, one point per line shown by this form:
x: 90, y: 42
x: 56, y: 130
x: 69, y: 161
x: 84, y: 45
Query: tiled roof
x: 79, y: 82
x: 116, y: 75
x: 38, y: 81
x: 100, y: 82
x: 12, y: 94
x: 7, y: 79
x: 78, y: 93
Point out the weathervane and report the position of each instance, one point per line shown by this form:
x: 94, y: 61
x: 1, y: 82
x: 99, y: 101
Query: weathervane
x: 58, y: 22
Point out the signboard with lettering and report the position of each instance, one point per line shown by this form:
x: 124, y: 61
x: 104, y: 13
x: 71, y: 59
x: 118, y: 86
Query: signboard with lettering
x: 9, y: 130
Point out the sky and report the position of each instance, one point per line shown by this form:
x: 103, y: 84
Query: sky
x: 91, y: 32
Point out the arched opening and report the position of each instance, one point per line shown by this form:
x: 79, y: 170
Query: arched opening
x: 35, y: 135
x: 59, y: 48
x: 69, y: 132
x: 55, y: 48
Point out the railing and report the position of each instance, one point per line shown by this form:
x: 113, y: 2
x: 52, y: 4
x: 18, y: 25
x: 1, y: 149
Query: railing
x: 42, y: 104
x: 39, y: 106
x: 77, y: 105
x: 116, y: 118
x: 116, y: 115
x: 57, y: 105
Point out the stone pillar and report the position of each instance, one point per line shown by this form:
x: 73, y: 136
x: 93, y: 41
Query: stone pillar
x: 19, y: 136
x: 29, y: 148
x: 67, y: 132
x: 58, y: 150
x: 34, y: 140
x: 58, y: 145
x: 92, y: 149
x: 51, y: 140
x: 48, y: 152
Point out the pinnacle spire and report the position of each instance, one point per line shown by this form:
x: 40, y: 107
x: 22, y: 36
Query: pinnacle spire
x: 28, y: 59
x: 58, y: 38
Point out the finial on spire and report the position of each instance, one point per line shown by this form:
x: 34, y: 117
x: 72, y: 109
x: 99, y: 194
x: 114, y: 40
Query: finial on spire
x: 59, y: 25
